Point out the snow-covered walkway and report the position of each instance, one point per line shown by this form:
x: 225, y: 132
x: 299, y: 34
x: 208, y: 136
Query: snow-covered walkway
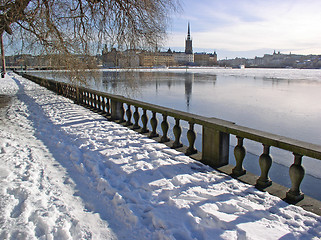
x: 67, y: 173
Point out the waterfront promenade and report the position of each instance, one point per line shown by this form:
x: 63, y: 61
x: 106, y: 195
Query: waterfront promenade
x: 67, y: 172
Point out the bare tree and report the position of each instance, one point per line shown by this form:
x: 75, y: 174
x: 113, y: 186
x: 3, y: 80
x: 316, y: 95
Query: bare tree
x: 65, y: 28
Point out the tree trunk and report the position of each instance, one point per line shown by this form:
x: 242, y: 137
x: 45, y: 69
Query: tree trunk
x: 3, y: 61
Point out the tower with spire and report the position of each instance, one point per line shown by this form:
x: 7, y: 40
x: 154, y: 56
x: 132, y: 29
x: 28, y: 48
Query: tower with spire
x: 188, y: 42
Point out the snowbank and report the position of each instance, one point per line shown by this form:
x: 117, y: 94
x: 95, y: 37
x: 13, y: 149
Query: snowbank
x: 67, y: 173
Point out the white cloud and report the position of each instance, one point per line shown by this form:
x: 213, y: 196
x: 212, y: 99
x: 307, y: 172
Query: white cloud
x: 243, y: 25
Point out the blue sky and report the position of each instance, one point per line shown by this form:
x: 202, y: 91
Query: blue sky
x: 248, y: 28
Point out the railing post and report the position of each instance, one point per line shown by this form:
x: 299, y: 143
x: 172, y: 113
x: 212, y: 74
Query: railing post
x: 108, y: 106
x: 191, y: 137
x: 265, y: 162
x: 116, y: 110
x: 296, y: 172
x: 165, y: 127
x: 136, y: 118
x: 103, y: 104
x: 95, y: 101
x: 129, y: 116
x: 239, y: 153
x: 177, y: 130
x: 79, y: 96
x: 83, y: 97
x: 215, y: 147
x: 153, y: 123
x: 90, y: 99
x: 144, y: 121
x: 99, y: 103
x: 122, y: 113
x: 86, y: 97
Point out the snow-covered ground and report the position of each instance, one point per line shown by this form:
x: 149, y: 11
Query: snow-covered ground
x: 67, y: 173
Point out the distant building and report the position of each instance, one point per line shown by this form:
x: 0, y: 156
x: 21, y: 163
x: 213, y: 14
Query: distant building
x: 205, y: 59
x: 201, y: 59
x: 181, y: 58
x: 277, y: 60
x: 152, y: 59
x: 213, y: 59
x: 124, y: 59
x: 133, y: 58
x: 129, y: 59
x: 110, y: 58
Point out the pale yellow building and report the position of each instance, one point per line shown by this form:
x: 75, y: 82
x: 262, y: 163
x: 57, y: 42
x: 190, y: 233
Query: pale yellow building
x: 150, y: 59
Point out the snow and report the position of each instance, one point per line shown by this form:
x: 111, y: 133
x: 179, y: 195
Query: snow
x: 67, y: 173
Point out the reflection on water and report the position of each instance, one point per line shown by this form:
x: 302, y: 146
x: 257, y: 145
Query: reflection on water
x: 135, y: 84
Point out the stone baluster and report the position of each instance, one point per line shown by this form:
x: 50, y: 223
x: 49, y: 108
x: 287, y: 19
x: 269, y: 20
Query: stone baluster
x: 85, y: 98
x: 296, y: 172
x: 98, y: 103
x: 81, y: 97
x: 191, y: 137
x: 58, y: 89
x: 239, y: 154
x: 165, y: 127
x: 136, y: 118
x: 144, y: 121
x: 108, y: 106
x: 74, y: 93
x: 265, y: 162
x: 88, y: 99
x: 154, y: 123
x: 93, y: 100
x: 66, y: 90
x: 70, y: 92
x: 177, y: 130
x: 121, y: 112
x: 129, y: 116
x: 103, y: 104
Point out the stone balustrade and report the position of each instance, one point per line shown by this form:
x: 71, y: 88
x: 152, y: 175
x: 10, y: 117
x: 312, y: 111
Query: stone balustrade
x: 215, y: 133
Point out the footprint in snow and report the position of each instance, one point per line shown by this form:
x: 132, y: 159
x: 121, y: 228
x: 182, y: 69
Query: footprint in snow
x: 21, y: 196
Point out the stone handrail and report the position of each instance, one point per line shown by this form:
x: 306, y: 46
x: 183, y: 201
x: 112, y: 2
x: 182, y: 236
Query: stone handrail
x: 215, y: 133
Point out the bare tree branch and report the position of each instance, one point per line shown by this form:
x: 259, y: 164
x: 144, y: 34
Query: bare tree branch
x: 69, y: 27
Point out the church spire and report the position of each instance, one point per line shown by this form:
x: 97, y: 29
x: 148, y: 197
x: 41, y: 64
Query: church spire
x: 188, y: 32
x: 188, y: 41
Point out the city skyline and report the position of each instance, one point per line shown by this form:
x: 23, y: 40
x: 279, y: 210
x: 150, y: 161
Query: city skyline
x: 247, y: 28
